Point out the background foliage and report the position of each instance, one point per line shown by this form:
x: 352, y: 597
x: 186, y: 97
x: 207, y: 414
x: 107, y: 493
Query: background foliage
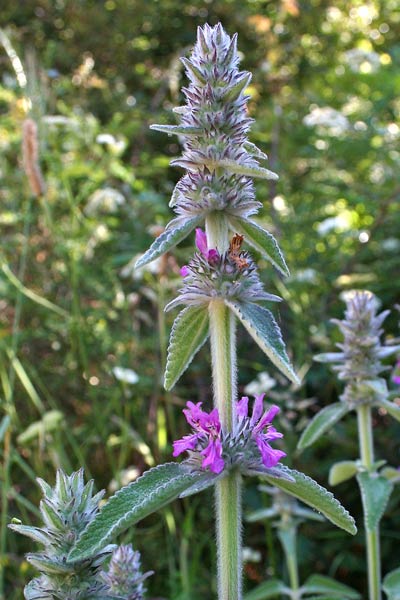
x: 325, y: 96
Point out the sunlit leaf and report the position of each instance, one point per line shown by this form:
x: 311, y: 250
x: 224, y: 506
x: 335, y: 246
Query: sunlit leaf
x: 322, y: 422
x: 263, y: 328
x: 261, y: 240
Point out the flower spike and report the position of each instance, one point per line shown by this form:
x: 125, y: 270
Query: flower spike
x: 219, y: 160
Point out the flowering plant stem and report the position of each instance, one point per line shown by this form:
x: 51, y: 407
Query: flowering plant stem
x: 372, y: 536
x: 228, y: 490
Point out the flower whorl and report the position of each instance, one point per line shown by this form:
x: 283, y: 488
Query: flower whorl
x: 360, y: 361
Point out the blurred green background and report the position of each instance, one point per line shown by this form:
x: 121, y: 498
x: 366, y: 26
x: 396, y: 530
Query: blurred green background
x: 74, y: 316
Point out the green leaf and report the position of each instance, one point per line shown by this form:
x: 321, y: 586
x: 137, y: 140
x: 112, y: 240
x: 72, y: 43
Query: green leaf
x: 4, y: 425
x: 268, y: 589
x: 375, y: 494
x: 51, y: 421
x: 234, y: 167
x: 322, y: 422
x: 310, y: 492
x: 392, y: 408
x: 153, y: 490
x: 188, y: 334
x: 233, y: 91
x: 391, y: 585
x: 342, y: 471
x: 193, y: 71
x: 261, y: 240
x: 392, y: 474
x: 319, y: 584
x: 46, y: 565
x: 35, y: 533
x: 177, y: 129
x: 262, y: 514
x: 255, y: 151
x: 264, y: 330
x: 176, y: 232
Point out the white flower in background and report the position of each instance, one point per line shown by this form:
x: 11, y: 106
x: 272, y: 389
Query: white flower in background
x: 262, y: 384
x: 327, y: 117
x: 342, y: 222
x: 100, y: 235
x: 251, y: 555
x: 125, y: 476
x: 378, y: 173
x: 305, y: 275
x: 59, y: 120
x: 125, y: 375
x: 391, y: 132
x: 137, y: 274
x: 105, y: 200
x: 390, y: 244
x: 362, y: 61
x: 116, y: 145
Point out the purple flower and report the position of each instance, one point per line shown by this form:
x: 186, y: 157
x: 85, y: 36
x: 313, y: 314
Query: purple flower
x: 246, y: 447
x: 206, y: 438
x: 211, y: 255
x: 261, y: 430
x: 396, y: 374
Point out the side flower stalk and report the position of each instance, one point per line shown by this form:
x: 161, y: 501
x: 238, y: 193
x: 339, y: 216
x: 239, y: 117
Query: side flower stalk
x: 359, y: 364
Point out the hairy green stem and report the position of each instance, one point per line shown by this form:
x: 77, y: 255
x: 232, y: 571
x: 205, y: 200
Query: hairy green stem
x: 372, y: 536
x: 288, y: 538
x: 217, y: 232
x: 228, y: 490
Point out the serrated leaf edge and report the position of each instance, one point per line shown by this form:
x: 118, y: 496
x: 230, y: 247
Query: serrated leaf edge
x: 118, y: 524
x: 236, y: 224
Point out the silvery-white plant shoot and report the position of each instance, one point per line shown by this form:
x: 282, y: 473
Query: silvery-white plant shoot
x: 358, y: 363
x: 67, y: 509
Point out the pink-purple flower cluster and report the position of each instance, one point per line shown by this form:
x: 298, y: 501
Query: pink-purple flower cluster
x: 247, y: 446
x: 206, y: 438
x: 230, y: 275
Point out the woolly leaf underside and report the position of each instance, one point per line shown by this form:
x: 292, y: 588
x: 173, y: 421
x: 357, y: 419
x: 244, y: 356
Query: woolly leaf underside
x: 375, y: 494
x: 189, y: 332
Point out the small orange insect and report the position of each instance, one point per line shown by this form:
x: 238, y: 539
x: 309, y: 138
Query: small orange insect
x: 234, y: 251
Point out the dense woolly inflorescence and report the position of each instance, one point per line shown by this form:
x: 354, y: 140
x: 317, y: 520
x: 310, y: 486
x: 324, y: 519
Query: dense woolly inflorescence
x: 359, y: 361
x: 67, y: 509
x: 217, y: 155
x: 124, y: 578
x: 231, y: 275
x: 214, y: 127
